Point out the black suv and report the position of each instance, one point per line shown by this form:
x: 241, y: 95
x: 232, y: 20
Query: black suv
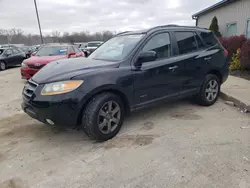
x: 131, y: 71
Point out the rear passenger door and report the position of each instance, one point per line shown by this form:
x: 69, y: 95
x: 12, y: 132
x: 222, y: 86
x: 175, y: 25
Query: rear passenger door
x: 18, y: 56
x: 190, y: 48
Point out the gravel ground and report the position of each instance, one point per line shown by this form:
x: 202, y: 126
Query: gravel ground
x: 173, y: 145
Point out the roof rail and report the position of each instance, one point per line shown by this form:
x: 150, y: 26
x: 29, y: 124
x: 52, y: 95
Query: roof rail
x: 172, y: 25
x: 162, y: 26
x: 122, y: 33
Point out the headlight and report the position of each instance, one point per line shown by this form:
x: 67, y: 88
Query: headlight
x: 61, y: 87
x: 24, y: 65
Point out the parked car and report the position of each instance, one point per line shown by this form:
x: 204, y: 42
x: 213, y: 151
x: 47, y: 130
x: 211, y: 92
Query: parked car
x: 10, y: 56
x: 27, y: 49
x: 129, y: 72
x: 45, y: 55
x: 79, y: 44
x: 90, y: 47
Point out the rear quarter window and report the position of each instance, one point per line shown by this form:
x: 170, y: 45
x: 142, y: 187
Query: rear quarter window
x: 209, y: 39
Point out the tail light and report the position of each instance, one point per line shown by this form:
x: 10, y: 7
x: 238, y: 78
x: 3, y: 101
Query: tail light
x: 225, y: 52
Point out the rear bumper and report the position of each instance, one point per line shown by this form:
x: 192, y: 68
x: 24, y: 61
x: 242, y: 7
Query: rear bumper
x: 27, y: 73
x: 225, y: 72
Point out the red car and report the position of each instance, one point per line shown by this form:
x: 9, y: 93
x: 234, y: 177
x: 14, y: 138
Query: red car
x: 46, y: 55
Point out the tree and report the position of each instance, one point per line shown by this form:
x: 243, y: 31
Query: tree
x: 56, y: 36
x: 215, y: 27
x: 17, y: 36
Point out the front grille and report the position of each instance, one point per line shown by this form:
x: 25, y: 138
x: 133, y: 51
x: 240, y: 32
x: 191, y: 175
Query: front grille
x: 29, y: 89
x: 36, y: 66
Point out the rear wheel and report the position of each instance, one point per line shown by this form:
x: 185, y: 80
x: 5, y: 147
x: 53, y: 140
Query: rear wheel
x: 2, y: 65
x: 209, y: 91
x: 103, y: 116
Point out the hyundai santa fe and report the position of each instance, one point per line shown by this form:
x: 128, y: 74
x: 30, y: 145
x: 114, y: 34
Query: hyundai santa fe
x: 131, y: 71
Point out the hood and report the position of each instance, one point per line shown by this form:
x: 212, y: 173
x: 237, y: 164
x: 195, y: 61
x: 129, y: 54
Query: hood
x: 69, y: 68
x: 43, y: 59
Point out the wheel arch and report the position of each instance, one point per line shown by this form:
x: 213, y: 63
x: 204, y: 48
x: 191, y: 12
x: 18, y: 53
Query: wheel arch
x: 100, y: 90
x: 217, y: 73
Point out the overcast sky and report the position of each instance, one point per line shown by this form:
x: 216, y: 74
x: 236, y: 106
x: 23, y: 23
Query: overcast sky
x: 97, y: 15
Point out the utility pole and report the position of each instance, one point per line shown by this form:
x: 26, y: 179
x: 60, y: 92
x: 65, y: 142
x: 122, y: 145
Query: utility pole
x: 38, y: 20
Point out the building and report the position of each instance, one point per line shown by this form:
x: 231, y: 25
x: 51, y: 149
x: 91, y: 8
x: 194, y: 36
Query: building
x: 233, y: 17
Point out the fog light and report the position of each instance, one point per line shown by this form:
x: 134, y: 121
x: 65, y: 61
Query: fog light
x: 50, y: 122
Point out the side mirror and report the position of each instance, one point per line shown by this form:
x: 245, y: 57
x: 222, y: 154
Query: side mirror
x: 146, y: 57
x: 33, y: 53
x: 71, y: 54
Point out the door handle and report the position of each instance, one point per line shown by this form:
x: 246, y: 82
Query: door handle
x: 172, y: 68
x: 207, y: 58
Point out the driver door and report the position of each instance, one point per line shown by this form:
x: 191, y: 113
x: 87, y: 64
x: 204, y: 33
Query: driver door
x: 159, y: 79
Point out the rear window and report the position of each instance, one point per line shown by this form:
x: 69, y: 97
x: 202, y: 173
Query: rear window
x: 209, y: 38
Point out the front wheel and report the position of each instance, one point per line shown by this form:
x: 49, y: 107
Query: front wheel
x: 103, y: 116
x: 209, y: 91
x: 2, y: 65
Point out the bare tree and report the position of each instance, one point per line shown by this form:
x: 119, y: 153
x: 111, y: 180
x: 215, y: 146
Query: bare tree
x: 17, y: 36
x: 56, y: 36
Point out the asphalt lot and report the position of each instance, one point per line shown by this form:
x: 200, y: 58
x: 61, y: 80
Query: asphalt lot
x: 180, y: 145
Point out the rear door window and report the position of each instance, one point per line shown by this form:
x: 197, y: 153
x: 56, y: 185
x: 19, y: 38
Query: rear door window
x: 186, y: 42
x: 15, y: 51
x: 208, y: 38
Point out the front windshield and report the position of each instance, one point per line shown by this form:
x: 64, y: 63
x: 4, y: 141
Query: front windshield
x: 117, y: 48
x: 52, y: 51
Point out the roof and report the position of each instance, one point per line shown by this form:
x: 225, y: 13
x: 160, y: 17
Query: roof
x: 169, y: 27
x: 213, y: 7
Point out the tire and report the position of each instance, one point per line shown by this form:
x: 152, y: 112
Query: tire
x: 3, y: 66
x: 92, y: 120
x: 208, y: 95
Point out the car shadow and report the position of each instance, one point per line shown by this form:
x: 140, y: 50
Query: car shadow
x: 135, y: 130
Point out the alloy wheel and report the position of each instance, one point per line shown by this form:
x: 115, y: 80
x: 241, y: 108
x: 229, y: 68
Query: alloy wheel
x: 2, y: 65
x: 212, y: 90
x: 109, y: 117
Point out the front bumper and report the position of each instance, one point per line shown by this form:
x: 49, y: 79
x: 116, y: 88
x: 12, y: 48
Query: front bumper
x: 27, y: 73
x: 61, y: 109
